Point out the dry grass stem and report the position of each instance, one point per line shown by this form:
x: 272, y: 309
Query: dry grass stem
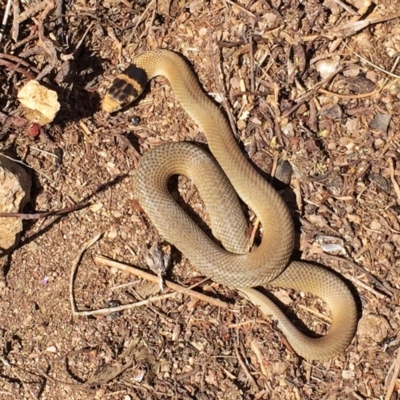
x: 44, y: 214
x: 360, y: 269
x: 239, y: 7
x: 74, y: 268
x: 395, y: 375
x: 349, y: 96
x: 316, y: 313
x: 140, y: 20
x: 32, y: 10
x: 394, y: 180
x: 244, y: 367
x: 153, y: 278
x: 373, y: 65
x: 346, y: 7
x: 15, y: 25
x: 5, y: 19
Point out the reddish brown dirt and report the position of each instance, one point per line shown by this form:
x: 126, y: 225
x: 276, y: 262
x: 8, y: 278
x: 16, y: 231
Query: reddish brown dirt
x: 262, y: 58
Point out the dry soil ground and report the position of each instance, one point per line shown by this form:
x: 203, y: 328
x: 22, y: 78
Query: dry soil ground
x: 266, y: 63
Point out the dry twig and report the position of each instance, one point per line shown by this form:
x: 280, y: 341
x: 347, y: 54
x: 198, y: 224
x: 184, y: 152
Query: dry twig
x: 307, y: 96
x: 346, y: 7
x: 374, y: 65
x: 5, y: 19
x: 59, y: 11
x: 145, y: 275
x: 154, y: 278
x: 297, y: 191
x: 21, y: 162
x: 359, y: 268
x: 349, y: 96
x: 31, y: 11
x: 43, y: 375
x: 351, y: 28
x: 23, y: 42
x: 221, y: 89
x: 7, y: 364
x: 393, y: 380
x: 394, y: 181
x: 140, y: 20
x: 46, y: 43
x: 15, y: 25
x: 146, y: 302
x: 43, y: 214
x: 13, y: 67
x: 240, y: 8
x: 260, y: 357
x: 18, y: 61
x: 66, y: 57
x: 75, y: 263
x: 244, y: 367
x: 395, y: 64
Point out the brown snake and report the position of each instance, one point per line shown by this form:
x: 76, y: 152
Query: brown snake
x: 232, y: 265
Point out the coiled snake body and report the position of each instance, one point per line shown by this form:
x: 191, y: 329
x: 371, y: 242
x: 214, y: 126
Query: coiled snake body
x: 232, y: 264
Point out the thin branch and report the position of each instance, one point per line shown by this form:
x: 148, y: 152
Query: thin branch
x: 244, y: 367
x: 396, y: 62
x: 154, y: 278
x: 24, y: 384
x: 44, y: 214
x: 22, y: 163
x: 346, y: 7
x: 240, y: 7
x: 75, y: 264
x: 146, y: 302
x: 359, y: 268
x: 5, y: 19
x: 373, y: 65
x: 140, y: 20
x: 66, y: 57
x: 43, y: 375
x: 353, y: 27
x: 31, y: 11
x: 222, y: 90
x: 394, y: 181
x: 311, y: 92
x: 15, y: 24
x: 349, y: 96
x: 395, y: 375
x: 15, y: 67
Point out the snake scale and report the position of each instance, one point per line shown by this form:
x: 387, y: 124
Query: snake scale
x: 220, y: 183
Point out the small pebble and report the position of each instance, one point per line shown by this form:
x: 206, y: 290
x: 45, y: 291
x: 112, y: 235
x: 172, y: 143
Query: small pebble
x: 135, y: 121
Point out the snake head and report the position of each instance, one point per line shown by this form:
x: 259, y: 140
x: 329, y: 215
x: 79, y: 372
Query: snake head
x: 125, y: 88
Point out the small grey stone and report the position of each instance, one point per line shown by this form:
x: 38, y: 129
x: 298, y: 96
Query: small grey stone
x: 381, y: 122
x: 332, y: 111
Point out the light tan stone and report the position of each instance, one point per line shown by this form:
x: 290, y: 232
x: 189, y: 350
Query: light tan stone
x: 15, y: 186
